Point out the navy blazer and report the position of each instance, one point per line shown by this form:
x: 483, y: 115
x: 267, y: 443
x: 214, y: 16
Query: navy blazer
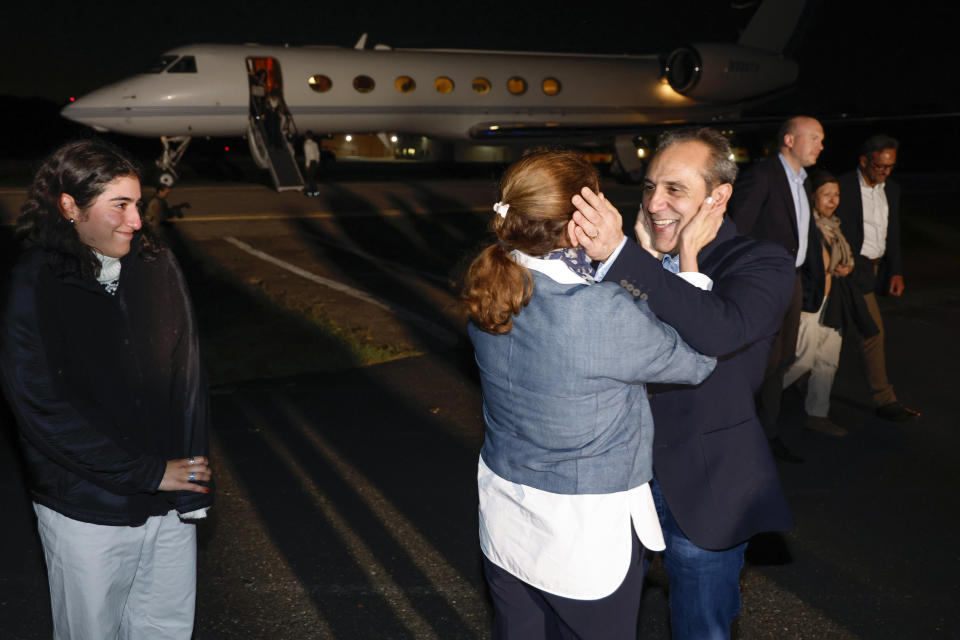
x: 710, y: 454
x: 762, y: 207
x: 850, y: 212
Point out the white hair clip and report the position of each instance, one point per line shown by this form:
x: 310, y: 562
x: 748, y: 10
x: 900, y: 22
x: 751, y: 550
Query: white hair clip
x: 501, y: 209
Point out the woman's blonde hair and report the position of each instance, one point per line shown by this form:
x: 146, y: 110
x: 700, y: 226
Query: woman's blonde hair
x: 538, y: 189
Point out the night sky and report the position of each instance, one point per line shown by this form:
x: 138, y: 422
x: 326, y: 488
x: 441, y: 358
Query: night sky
x: 855, y: 57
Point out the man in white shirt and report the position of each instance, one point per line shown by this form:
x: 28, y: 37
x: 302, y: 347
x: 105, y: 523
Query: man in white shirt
x: 311, y: 163
x: 870, y: 212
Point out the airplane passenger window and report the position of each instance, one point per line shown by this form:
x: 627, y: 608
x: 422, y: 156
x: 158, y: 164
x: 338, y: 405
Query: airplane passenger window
x: 481, y: 85
x: 443, y: 84
x: 186, y: 64
x: 405, y: 84
x: 161, y: 64
x: 363, y: 84
x: 320, y: 83
x: 517, y: 85
x: 550, y: 86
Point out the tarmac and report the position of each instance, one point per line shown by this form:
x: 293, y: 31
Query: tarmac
x: 347, y: 499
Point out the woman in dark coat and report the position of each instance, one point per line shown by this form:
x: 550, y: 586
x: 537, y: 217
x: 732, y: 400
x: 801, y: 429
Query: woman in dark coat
x: 101, y: 367
x: 831, y: 309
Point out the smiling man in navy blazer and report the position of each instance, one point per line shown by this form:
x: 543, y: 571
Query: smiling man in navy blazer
x: 715, y: 483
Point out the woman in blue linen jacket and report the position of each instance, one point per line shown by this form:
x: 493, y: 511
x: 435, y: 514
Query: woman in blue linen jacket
x: 565, y: 508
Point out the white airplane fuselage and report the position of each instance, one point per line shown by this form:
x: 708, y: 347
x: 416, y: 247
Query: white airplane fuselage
x: 590, y: 91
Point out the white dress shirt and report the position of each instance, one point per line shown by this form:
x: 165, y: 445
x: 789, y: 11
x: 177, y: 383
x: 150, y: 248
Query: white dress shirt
x: 311, y: 152
x: 876, y: 212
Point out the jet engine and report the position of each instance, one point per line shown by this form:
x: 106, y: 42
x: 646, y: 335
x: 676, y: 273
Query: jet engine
x: 720, y: 72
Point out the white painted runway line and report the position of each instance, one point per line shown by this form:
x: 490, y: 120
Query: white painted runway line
x: 443, y: 335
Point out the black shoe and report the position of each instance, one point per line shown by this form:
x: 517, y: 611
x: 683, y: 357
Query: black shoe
x: 780, y: 452
x: 896, y: 412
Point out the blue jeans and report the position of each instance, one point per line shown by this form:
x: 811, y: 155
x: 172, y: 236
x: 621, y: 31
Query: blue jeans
x: 704, y: 585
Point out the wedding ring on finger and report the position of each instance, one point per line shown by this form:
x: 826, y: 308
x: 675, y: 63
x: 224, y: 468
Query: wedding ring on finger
x: 192, y: 460
x: 193, y: 476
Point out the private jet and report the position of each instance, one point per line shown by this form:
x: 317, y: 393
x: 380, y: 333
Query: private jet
x: 269, y: 94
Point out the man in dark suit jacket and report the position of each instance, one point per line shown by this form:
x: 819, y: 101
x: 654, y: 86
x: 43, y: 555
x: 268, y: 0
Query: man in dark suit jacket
x: 771, y: 203
x: 870, y: 211
x: 715, y: 483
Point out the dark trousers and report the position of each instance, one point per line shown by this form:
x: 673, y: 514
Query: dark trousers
x: 522, y: 612
x: 310, y: 173
x: 782, y: 355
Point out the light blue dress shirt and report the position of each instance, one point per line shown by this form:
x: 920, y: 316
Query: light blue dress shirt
x: 800, y: 204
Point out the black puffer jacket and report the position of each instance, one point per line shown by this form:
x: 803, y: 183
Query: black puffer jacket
x: 105, y: 388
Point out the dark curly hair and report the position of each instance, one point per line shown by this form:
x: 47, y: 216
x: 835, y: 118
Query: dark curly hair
x: 82, y: 169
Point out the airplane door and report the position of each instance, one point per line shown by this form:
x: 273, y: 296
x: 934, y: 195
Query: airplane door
x: 265, y: 81
x: 271, y: 125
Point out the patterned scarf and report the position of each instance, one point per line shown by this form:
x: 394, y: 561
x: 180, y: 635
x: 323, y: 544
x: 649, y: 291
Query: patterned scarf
x: 575, y: 258
x: 840, y: 253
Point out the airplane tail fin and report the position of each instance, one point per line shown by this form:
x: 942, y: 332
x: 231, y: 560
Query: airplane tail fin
x: 773, y: 25
x: 361, y: 43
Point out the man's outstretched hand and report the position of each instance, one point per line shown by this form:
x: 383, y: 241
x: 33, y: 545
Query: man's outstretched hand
x: 596, y: 225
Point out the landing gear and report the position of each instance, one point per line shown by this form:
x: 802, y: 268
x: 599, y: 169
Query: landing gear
x: 173, y: 150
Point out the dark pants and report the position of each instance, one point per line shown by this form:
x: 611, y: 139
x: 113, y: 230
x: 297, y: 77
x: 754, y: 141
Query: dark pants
x: 522, y: 612
x: 782, y: 355
x: 310, y: 173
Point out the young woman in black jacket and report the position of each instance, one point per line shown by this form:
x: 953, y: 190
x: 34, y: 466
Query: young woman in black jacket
x: 101, y: 366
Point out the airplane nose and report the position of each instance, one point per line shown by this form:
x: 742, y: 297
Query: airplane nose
x: 104, y: 109
x: 69, y: 112
x: 83, y: 111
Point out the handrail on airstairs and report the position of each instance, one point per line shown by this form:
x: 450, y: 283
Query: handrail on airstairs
x: 281, y: 162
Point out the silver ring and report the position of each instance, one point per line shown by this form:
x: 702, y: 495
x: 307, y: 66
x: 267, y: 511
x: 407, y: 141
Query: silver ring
x: 192, y: 460
x: 193, y: 476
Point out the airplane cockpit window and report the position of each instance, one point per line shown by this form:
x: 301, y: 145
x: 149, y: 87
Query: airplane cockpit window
x: 363, y: 84
x: 550, y: 86
x: 186, y: 64
x: 517, y: 85
x: 481, y: 85
x: 160, y: 64
x: 405, y: 84
x: 320, y: 83
x: 443, y: 84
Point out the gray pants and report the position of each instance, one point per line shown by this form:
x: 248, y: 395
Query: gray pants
x: 126, y: 583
